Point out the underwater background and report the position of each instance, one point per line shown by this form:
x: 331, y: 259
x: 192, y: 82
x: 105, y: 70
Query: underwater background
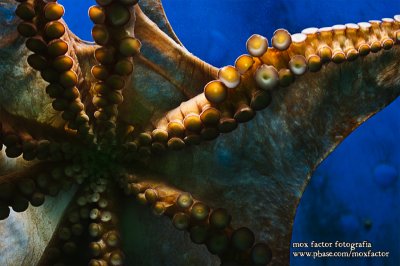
x: 354, y: 194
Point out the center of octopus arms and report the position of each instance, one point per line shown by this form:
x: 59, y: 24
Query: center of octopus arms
x: 96, y: 147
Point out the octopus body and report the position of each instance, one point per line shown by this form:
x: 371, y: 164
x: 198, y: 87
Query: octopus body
x: 88, y: 130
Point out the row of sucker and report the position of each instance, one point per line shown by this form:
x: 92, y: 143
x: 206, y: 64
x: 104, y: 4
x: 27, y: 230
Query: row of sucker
x: 32, y: 185
x: 19, y: 142
x: 65, y: 248
x: 105, y: 246
x: 114, y: 56
x: 246, y: 87
x: 46, y: 37
x: 205, y: 225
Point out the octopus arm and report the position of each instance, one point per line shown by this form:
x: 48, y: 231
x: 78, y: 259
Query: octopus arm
x: 155, y: 11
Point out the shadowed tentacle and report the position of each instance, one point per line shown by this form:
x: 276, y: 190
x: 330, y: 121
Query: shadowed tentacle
x: 68, y: 246
x: 36, y: 129
x: 89, y: 225
x: 105, y: 247
x: 32, y: 185
x: 205, y: 225
x: 19, y: 142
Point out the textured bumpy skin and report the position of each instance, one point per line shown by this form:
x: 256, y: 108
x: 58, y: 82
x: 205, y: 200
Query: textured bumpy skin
x: 257, y: 173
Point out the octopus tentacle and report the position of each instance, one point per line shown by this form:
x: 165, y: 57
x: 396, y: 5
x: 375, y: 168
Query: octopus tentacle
x: 114, y: 58
x: 37, y: 130
x: 32, y: 185
x: 19, y: 141
x: 205, y: 225
x: 104, y: 229
x: 242, y: 89
x: 52, y: 56
x: 65, y: 245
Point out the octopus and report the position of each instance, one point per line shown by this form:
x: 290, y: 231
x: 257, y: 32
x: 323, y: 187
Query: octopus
x: 98, y: 138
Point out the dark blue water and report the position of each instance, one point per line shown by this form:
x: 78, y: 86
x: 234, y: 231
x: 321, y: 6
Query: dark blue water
x: 354, y: 194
